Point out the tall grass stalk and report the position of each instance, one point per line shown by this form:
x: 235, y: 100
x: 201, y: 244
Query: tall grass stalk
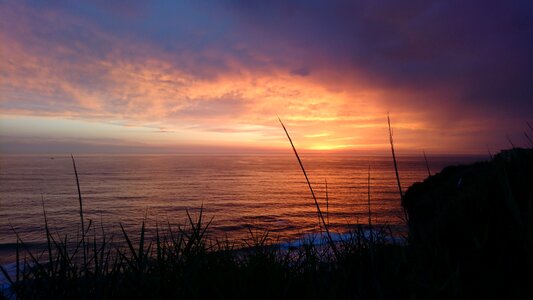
x: 331, y: 242
x: 510, y: 142
x: 530, y: 141
x: 327, y: 201
x: 81, y: 212
x: 48, y: 235
x: 369, y: 208
x: 17, y: 258
x: 427, y: 164
x: 391, y: 140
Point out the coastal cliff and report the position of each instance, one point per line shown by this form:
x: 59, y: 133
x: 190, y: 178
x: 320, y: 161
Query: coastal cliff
x: 479, y: 216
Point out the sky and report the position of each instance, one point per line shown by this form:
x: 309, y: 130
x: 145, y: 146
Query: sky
x: 122, y: 76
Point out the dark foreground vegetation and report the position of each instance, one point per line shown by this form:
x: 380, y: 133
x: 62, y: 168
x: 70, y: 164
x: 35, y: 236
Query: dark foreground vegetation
x: 470, y: 236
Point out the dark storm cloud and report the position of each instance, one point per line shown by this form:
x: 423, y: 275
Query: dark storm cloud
x: 475, y: 53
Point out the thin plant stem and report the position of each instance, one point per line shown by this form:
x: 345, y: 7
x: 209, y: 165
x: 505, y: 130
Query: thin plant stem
x: 368, y: 193
x: 396, y: 168
x: 530, y: 141
x: 327, y: 201
x: 332, y: 244
x: 427, y: 164
x: 510, y: 142
x: 81, y: 211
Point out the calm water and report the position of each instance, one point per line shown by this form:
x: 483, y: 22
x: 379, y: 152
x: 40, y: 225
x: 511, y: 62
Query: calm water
x: 241, y: 191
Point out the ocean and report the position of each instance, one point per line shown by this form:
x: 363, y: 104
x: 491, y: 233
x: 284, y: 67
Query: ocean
x: 238, y: 192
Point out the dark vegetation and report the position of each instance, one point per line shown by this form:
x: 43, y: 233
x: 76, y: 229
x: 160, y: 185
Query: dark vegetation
x: 470, y: 236
x: 478, y: 220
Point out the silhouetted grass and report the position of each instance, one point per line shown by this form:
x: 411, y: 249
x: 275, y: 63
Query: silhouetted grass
x: 186, y: 263
x: 319, y: 211
x: 391, y: 141
x: 427, y: 164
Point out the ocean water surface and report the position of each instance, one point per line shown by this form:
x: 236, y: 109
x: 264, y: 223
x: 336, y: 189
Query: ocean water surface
x: 239, y: 192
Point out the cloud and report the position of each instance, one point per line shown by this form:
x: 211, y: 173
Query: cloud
x: 444, y: 70
x: 303, y: 71
x: 473, y: 55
